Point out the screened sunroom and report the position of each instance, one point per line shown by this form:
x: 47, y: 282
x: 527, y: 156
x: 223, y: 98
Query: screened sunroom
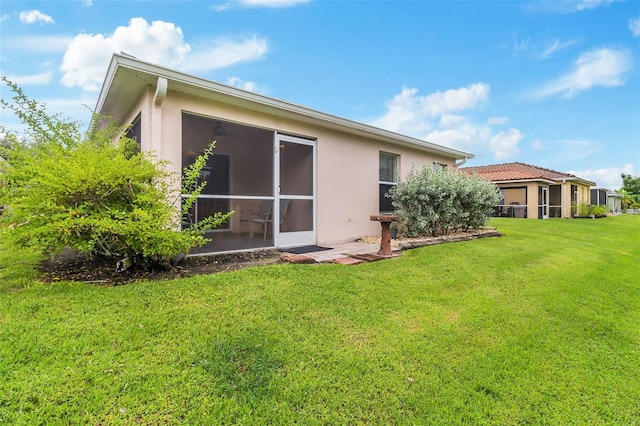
x: 266, y: 178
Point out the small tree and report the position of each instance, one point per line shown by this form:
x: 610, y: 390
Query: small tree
x: 60, y: 188
x: 433, y: 202
x: 631, y: 190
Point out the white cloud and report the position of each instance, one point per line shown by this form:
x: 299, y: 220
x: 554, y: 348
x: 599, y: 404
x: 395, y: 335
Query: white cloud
x: 272, y: 3
x: 87, y: 3
x: 443, y: 118
x: 85, y: 61
x: 259, y: 3
x: 521, y: 45
x: 567, y: 6
x: 30, y: 80
x: 606, y: 177
x: 410, y: 114
x: 251, y: 86
x: 590, y: 4
x: 540, y: 49
x: 449, y: 121
x: 37, y: 44
x: 404, y: 115
x: 466, y: 136
x: 537, y: 145
x: 496, y: 121
x: 554, y: 47
x: 33, y: 16
x: 4, y: 17
x: 223, y: 52
x: 455, y: 99
x: 567, y: 151
x: 634, y: 26
x: 87, y: 56
x: 600, y: 67
x: 504, y: 144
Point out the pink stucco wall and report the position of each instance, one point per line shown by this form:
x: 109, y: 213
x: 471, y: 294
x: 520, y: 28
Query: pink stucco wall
x: 347, y: 165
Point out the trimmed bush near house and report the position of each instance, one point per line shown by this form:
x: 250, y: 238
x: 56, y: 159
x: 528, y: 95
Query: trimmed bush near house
x: 592, y: 211
x: 432, y: 202
x: 61, y: 188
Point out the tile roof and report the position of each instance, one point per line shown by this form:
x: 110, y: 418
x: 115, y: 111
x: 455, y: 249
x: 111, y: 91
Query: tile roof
x: 517, y: 171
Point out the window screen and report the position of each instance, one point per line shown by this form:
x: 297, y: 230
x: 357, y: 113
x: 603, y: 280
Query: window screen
x: 388, y: 178
x: 388, y: 167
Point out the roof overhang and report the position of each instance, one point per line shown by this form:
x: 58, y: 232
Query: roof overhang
x: 575, y: 179
x: 540, y: 180
x: 127, y: 78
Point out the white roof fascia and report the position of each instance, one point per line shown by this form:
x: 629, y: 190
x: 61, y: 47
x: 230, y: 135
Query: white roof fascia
x: 576, y: 179
x: 524, y: 180
x: 276, y: 104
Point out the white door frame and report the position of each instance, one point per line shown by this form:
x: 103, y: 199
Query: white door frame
x: 290, y: 239
x: 544, y: 192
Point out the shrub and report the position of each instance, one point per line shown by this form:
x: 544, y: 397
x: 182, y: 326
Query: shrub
x: 433, y: 202
x: 99, y: 197
x: 589, y: 210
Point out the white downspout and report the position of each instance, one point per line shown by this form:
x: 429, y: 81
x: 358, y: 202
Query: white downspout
x: 156, y: 116
x: 461, y: 163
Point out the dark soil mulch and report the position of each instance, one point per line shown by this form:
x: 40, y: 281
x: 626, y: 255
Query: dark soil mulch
x: 71, y: 266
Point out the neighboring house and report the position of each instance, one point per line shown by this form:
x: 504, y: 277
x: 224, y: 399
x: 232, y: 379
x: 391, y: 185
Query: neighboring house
x: 598, y: 197
x: 614, y: 202
x: 534, y: 192
x: 605, y: 197
x: 320, y: 175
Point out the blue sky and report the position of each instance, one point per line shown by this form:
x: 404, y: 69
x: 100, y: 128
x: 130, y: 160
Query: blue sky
x: 550, y: 83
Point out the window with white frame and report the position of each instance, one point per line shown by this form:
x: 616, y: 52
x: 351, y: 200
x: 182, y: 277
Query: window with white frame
x: 388, y: 178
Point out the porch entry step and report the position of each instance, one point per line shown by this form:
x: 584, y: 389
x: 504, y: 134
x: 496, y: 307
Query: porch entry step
x: 304, y: 249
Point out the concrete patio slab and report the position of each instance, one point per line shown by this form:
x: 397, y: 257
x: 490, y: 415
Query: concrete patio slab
x: 342, y: 250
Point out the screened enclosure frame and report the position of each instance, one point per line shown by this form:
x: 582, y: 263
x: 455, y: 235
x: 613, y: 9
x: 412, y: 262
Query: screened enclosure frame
x: 266, y: 178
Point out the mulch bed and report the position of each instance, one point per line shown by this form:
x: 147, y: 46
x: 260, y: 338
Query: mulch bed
x: 404, y: 243
x: 70, y: 266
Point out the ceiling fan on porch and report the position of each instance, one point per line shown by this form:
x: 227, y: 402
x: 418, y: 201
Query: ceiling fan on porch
x: 212, y: 129
x: 218, y: 131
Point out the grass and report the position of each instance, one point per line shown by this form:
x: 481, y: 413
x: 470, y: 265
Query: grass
x: 541, y: 326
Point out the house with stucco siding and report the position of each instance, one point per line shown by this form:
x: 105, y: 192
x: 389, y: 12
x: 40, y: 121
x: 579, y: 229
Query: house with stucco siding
x: 292, y: 175
x: 534, y: 192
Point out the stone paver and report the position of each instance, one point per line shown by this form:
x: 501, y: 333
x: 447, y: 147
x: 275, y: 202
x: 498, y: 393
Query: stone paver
x: 347, y: 261
x: 341, y: 250
x: 297, y: 258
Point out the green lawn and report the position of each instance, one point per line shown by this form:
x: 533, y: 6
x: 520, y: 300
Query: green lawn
x: 541, y: 326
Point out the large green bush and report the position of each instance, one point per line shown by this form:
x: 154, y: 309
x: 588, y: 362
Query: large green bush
x: 61, y: 188
x: 434, y: 202
x: 590, y: 210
